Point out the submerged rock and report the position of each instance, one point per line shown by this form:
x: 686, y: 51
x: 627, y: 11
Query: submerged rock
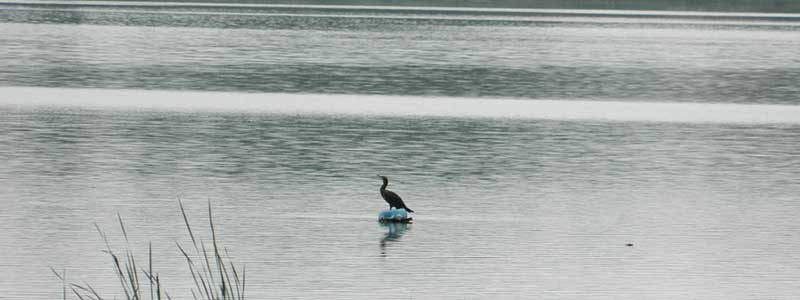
x: 394, y: 215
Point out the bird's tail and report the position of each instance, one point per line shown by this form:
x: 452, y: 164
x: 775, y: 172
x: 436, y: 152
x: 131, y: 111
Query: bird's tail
x: 408, y: 209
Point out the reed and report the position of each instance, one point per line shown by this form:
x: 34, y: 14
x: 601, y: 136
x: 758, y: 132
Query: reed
x: 214, y: 274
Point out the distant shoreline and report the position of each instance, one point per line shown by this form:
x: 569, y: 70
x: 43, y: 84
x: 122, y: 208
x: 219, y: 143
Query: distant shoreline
x: 766, y: 6
x: 410, y: 7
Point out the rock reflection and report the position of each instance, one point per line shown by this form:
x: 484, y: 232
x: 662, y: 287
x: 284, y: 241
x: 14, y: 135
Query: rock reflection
x: 394, y: 231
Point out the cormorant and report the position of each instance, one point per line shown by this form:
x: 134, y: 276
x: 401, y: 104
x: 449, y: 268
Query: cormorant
x: 393, y: 199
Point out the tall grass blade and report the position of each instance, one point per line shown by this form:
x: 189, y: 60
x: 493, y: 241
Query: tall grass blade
x: 130, y: 269
x: 207, y: 288
x: 219, y: 264
x: 235, y: 274
x: 158, y: 287
x: 189, y: 262
x: 103, y: 236
x: 122, y: 225
x: 120, y: 275
x: 133, y: 276
x: 63, y: 279
x: 209, y: 272
x: 77, y: 294
x: 236, y: 281
x: 186, y: 220
x: 229, y: 287
x: 243, y: 281
x: 86, y: 291
x: 96, y: 295
x: 150, y: 268
x: 56, y: 273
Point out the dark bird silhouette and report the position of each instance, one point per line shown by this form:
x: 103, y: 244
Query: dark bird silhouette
x: 393, y: 199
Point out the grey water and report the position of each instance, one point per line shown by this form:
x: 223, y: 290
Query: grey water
x: 426, y: 52
x: 540, y: 206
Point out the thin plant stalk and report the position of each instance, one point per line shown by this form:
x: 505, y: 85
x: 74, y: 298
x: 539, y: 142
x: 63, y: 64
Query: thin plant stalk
x: 227, y: 284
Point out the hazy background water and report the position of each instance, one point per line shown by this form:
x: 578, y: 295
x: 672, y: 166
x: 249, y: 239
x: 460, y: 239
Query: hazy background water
x: 507, y: 207
x: 534, y: 54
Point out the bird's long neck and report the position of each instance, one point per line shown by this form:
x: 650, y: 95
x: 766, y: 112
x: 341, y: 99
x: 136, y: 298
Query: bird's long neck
x: 385, y: 183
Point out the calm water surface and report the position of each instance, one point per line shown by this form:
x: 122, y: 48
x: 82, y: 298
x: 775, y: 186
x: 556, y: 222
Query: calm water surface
x: 506, y: 207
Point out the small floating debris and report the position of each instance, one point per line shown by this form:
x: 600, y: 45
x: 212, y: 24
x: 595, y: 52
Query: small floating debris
x: 394, y: 215
x: 629, y: 245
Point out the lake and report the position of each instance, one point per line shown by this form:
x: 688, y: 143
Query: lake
x: 533, y: 144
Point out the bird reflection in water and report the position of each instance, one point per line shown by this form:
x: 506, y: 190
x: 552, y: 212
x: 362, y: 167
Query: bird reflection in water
x: 394, y: 231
